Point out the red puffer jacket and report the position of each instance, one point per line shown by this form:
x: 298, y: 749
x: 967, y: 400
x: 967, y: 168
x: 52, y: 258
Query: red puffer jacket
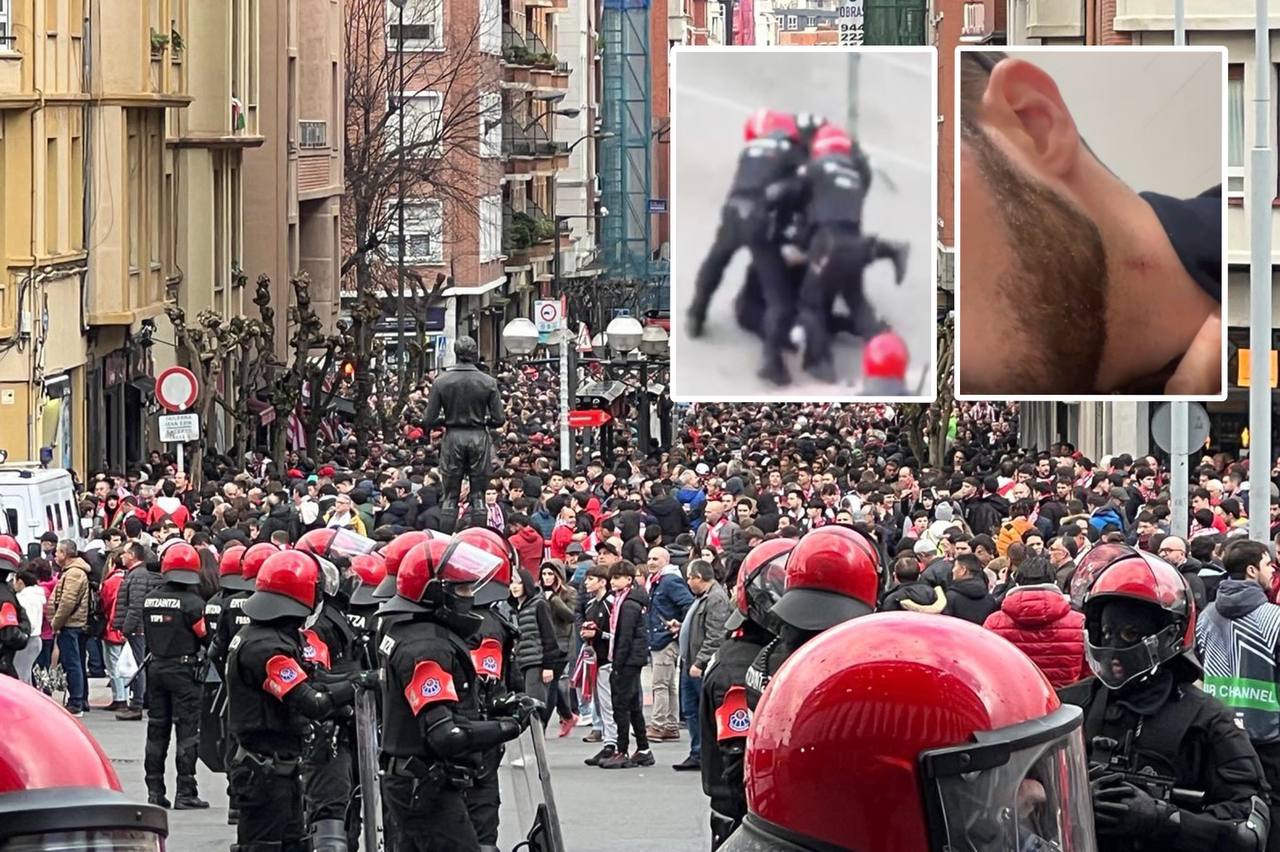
x: 1040, y: 621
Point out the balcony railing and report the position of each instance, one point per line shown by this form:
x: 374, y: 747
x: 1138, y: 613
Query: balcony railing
x: 516, y: 142
x: 534, y: 44
x: 523, y: 228
x: 514, y: 49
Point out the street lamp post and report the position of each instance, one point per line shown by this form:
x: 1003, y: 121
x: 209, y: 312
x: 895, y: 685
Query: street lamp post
x: 400, y: 173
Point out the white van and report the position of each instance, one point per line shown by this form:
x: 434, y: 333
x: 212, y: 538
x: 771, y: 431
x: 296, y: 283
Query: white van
x: 34, y: 501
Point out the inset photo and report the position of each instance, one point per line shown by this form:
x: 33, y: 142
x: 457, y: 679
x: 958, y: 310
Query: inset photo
x: 1091, y: 260
x: 803, y: 224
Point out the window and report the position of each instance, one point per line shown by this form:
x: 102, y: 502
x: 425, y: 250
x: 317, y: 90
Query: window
x: 5, y: 43
x: 491, y: 26
x: 491, y: 124
x: 423, y: 233
x: 422, y: 114
x: 135, y: 192
x: 422, y: 25
x: 490, y: 227
x: 791, y: 22
x: 1235, y: 129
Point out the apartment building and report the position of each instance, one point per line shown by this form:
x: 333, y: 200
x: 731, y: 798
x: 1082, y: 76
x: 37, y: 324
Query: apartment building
x: 83, y: 256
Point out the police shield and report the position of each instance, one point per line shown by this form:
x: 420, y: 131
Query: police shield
x: 535, y: 800
x: 367, y: 768
x: 213, y: 746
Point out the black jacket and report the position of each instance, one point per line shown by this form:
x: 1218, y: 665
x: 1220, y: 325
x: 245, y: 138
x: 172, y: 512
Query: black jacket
x: 141, y: 581
x: 671, y: 517
x: 984, y: 514
x: 280, y: 519
x: 631, y: 639
x: 919, y: 592
x: 537, y: 647
x: 230, y: 535
x: 464, y: 397
x: 970, y: 600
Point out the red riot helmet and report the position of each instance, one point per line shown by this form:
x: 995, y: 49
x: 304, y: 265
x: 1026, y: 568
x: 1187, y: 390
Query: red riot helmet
x: 767, y: 122
x: 58, y: 790
x: 498, y: 586
x: 180, y: 563
x: 1157, y: 587
x: 809, y: 123
x: 437, y: 570
x: 945, y: 734
x: 833, y: 574
x: 761, y: 582
x: 885, y: 357
x: 252, y: 560
x: 335, y: 544
x: 391, y: 556
x: 830, y: 140
x: 10, y: 555
x: 287, y: 586
x: 1091, y: 565
x: 230, y: 569
x: 372, y: 570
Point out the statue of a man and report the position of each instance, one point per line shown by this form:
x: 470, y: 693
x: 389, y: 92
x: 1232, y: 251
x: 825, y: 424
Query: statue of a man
x: 465, y: 400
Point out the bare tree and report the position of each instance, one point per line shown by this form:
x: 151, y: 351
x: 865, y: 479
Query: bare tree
x: 926, y: 426
x: 448, y: 100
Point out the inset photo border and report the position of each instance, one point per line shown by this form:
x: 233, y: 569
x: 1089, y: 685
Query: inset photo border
x: 714, y: 91
x: 1085, y: 123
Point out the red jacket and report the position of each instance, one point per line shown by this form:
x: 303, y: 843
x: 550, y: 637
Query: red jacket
x: 529, y: 546
x: 561, y: 538
x: 110, y: 589
x: 1040, y: 621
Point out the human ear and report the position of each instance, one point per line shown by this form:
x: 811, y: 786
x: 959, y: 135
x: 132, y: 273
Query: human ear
x: 1022, y: 103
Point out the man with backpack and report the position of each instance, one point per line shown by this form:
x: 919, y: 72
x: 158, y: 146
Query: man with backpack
x: 167, y: 507
x: 72, y: 602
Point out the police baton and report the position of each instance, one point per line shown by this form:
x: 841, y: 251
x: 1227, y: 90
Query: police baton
x: 882, y: 175
x: 142, y: 666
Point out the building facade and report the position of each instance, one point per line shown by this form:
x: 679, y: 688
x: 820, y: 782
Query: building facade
x: 84, y: 89
x: 1125, y: 426
x: 293, y: 182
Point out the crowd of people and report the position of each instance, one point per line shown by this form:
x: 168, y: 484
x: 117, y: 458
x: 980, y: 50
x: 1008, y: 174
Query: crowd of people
x: 672, y: 562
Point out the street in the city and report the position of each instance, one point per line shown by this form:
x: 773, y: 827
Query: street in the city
x: 894, y: 118
x: 651, y: 809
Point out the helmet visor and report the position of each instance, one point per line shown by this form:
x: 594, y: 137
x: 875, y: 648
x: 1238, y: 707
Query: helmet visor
x: 1090, y: 566
x: 347, y: 543
x: 1024, y: 788
x: 467, y: 567
x: 1117, y: 666
x: 763, y: 588
x: 92, y: 840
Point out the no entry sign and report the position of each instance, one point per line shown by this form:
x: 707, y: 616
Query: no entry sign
x: 176, y: 388
x: 547, y: 315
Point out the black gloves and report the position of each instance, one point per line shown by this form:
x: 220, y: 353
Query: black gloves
x: 1122, y: 809
x: 518, y: 706
x: 368, y: 679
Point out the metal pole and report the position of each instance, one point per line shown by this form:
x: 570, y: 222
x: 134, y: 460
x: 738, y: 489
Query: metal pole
x: 851, y: 117
x: 400, y: 176
x: 182, y: 458
x: 1262, y: 179
x: 1178, y: 426
x: 727, y: 5
x: 643, y: 426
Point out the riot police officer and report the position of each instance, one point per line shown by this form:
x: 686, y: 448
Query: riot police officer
x: 15, y: 628
x: 466, y: 401
x: 832, y: 575
x: 173, y: 620
x: 493, y: 655
x: 837, y: 250
x: 433, y: 736
x: 723, y: 707
x: 749, y: 219
x: 1170, y: 770
x: 329, y: 645
x: 232, y: 618
x: 274, y: 701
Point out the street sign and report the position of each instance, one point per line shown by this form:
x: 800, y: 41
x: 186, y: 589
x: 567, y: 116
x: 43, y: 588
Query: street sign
x: 179, y: 428
x: 850, y: 15
x: 176, y: 388
x: 548, y: 315
x: 584, y: 338
x: 1197, y: 427
x: 588, y: 419
x: 657, y: 205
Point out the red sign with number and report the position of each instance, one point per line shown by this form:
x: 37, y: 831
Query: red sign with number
x: 589, y: 419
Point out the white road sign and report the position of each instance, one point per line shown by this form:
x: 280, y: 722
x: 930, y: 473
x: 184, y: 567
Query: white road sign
x: 547, y: 315
x: 850, y: 16
x: 179, y: 428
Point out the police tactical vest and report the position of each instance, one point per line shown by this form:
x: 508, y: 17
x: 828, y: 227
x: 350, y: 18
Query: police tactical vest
x: 763, y: 162
x: 250, y: 709
x: 837, y: 192
x: 402, y: 735
x: 165, y: 623
x: 1240, y: 667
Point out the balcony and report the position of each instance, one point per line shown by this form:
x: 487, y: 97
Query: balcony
x: 542, y: 231
x: 548, y: 154
x: 517, y: 61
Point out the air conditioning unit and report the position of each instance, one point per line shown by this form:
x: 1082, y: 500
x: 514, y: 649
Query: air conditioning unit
x: 313, y: 134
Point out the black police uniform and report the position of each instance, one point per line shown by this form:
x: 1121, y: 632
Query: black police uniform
x: 494, y: 663
x: 466, y: 401
x: 432, y: 738
x: 725, y: 720
x: 749, y: 219
x: 763, y: 668
x: 231, y: 620
x: 213, y: 744
x: 15, y: 629
x: 173, y: 620
x: 328, y: 769
x: 273, y: 703
x: 1190, y: 740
